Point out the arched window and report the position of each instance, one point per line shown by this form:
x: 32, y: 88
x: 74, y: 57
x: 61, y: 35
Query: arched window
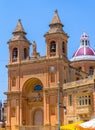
x: 86, y: 42
x: 65, y: 81
x: 15, y: 54
x: 13, y: 82
x: 25, y: 53
x: 79, y: 69
x: 82, y: 42
x: 77, y: 78
x: 63, y: 47
x: 53, y: 46
x: 38, y: 87
x: 91, y: 71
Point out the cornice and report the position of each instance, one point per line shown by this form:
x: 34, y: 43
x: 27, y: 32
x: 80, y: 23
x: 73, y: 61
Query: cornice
x: 12, y: 92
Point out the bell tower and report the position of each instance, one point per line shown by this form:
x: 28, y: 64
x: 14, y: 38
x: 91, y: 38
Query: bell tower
x: 18, y: 45
x: 56, y: 39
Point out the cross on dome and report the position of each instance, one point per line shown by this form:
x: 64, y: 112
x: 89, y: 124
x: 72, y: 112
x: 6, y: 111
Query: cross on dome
x: 84, y: 35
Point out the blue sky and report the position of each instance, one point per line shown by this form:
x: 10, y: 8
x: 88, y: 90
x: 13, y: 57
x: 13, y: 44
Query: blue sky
x: 78, y: 16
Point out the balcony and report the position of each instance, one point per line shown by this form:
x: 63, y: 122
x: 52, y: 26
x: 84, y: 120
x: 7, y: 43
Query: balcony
x: 84, y: 109
x: 78, y: 83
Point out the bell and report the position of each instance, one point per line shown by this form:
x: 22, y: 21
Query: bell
x: 53, y: 47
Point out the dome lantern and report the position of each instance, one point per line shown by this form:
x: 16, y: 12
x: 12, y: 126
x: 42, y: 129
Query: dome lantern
x: 84, y: 40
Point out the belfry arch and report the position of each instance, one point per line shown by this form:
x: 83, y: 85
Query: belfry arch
x: 32, y: 102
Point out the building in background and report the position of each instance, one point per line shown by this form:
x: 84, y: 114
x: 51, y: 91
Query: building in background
x: 32, y: 96
x: 0, y: 111
x: 3, y: 113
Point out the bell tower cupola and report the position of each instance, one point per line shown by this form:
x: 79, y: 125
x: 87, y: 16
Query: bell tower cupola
x: 56, y: 39
x: 19, y: 46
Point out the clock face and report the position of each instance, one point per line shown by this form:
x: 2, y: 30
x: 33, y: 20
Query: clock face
x: 52, y: 68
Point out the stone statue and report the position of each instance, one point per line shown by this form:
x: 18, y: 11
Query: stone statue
x: 34, y: 47
x: 35, y: 54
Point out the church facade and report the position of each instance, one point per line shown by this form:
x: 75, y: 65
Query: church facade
x: 48, y: 90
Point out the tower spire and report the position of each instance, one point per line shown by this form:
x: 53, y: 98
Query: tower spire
x: 19, y: 33
x: 56, y: 19
x: 19, y: 28
x: 56, y: 26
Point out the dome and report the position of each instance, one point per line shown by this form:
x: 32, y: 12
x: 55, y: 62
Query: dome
x: 84, y: 52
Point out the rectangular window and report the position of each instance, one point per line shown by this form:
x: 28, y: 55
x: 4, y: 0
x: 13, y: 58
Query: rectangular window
x: 52, y: 110
x: 70, y: 100
x: 70, y: 122
x: 84, y: 100
x: 52, y: 77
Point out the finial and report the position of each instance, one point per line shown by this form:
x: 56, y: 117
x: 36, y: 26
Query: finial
x: 34, y: 42
x: 19, y: 20
x: 56, y: 11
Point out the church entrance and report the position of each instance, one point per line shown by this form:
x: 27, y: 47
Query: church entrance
x: 32, y: 102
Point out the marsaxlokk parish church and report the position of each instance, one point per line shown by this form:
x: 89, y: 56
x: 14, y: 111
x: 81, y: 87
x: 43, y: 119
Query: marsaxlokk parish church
x: 34, y: 81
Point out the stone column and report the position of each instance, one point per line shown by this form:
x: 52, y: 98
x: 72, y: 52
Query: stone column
x: 46, y: 110
x: 57, y: 48
x: 93, y: 103
x: 8, y: 112
x: 8, y: 126
x: 20, y: 112
x: 17, y: 112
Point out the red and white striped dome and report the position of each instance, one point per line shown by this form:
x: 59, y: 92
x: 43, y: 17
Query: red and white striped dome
x: 84, y: 52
